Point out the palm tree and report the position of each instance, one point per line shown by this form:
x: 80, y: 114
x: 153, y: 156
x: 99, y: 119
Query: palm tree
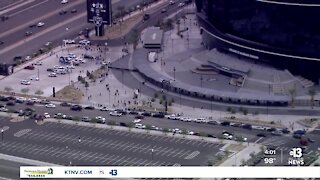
x: 312, y: 93
x: 8, y: 89
x: 292, y: 93
x: 121, y: 11
x: 24, y: 90
x: 39, y: 92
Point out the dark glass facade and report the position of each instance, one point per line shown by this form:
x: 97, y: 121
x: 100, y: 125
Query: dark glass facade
x: 287, y: 29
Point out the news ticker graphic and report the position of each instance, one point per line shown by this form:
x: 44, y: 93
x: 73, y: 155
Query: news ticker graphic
x: 39, y: 172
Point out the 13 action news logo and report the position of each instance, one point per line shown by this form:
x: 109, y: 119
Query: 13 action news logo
x: 296, y: 157
x: 113, y: 172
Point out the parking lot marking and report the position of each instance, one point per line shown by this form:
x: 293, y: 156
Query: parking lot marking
x: 24, y: 147
x: 112, y: 161
x: 105, y: 160
x: 201, y: 143
x: 131, y: 162
x: 57, y: 153
x: 159, y: 151
x: 22, y: 132
x: 17, y: 146
x: 192, y: 155
x: 189, y: 141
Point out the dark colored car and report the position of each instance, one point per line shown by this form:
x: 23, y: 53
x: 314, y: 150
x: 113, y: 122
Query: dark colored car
x: 29, y: 67
x: 213, y: 122
x: 304, y: 142
x: 247, y: 126
x: 225, y: 123
x: 311, y: 140
x: 123, y: 124
x: 146, y: 17
x: 30, y: 103
x: 211, y: 136
x: 3, y: 98
x: 12, y: 98
x: 89, y: 108
x: 86, y: 56
x: 121, y: 111
x: 28, y: 33
x: 63, y: 12
x: 133, y: 113
x: 139, y: 117
x: 50, y: 70
x: 158, y: 115
x: 271, y: 129
x: 1, y: 42
x: 298, y: 136
x: 19, y: 101
x: 301, y: 132
x: 285, y: 131
x: 76, y: 108
x: 32, y: 25
x: 261, y: 135
x: 65, y: 104
x: 21, y: 113
x: 10, y: 103
x: 146, y: 114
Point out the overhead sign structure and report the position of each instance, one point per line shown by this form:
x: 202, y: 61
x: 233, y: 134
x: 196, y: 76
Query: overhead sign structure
x: 99, y: 12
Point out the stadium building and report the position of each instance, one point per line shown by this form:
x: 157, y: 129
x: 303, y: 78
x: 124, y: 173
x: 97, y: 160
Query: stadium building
x: 284, y: 33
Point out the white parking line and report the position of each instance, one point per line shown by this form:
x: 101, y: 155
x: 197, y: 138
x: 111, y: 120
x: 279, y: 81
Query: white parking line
x: 17, y: 146
x: 138, y: 162
x: 156, y: 163
x: 105, y: 160
x: 129, y: 163
x: 112, y: 161
x: 170, y: 153
x: 189, y: 141
x: 24, y: 147
x: 36, y: 149
x: 217, y: 145
x: 49, y: 150
x: 57, y: 153
x: 124, y: 161
x: 159, y: 151
x: 103, y: 157
x: 258, y: 140
x: 179, y: 153
x: 146, y: 149
x: 184, y: 154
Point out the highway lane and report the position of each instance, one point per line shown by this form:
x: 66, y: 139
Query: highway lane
x: 9, y: 170
x: 59, y: 144
x: 11, y: 35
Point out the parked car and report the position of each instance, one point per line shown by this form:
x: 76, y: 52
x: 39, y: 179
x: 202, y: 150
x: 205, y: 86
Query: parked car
x: 158, y: 115
x: 277, y: 133
x: 3, y: 109
x: 247, y: 126
x: 74, y: 10
x: 25, y: 82
x: 28, y: 33
x: 10, y: 103
x: 146, y: 114
x: 89, y: 108
x: 76, y: 108
x: 46, y: 115
x: 64, y: 1
x: 297, y: 136
x: 261, y: 135
x: 50, y: 105
x: 115, y: 113
x: 85, y: 119
x: 65, y: 104
x: 225, y: 123
x: 146, y: 17
x: 63, y: 12
x: 30, y: 103
x: 136, y: 121
x: 52, y: 74
x: 30, y: 67
x: 40, y: 24
x: 285, y: 131
x: 139, y: 126
x: 100, y: 119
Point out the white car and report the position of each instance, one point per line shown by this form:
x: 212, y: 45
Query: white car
x: 101, y: 119
x: 34, y: 78
x: 172, y: 2
x: 21, y: 98
x: 140, y: 126
x: 181, y: 4
x: 173, y: 117
x: 39, y: 63
x: 69, y: 41
x: 190, y: 132
x: 185, y: 119
x: 40, y: 24
x: 52, y: 75
x: 50, y: 105
x: 28, y: 58
x: 25, y: 82
x: 200, y: 120
x: 136, y: 121
x: 84, y: 42
x: 3, y: 109
x: 104, y: 109
x: 35, y: 100
x: 46, y: 115
x: 227, y: 136
x: 176, y: 130
x: 115, y: 113
x: 64, y: 1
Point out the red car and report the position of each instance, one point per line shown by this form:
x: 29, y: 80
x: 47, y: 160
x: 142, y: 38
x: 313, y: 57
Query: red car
x: 29, y: 67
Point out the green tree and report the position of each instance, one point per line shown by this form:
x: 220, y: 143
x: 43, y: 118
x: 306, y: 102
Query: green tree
x: 165, y: 131
x: 184, y: 132
x: 134, y: 38
x: 148, y: 128
x: 312, y: 93
x: 130, y: 126
x: 25, y: 90
x: 39, y: 92
x: 8, y: 89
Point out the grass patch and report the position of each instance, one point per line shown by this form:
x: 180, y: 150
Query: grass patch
x: 69, y: 93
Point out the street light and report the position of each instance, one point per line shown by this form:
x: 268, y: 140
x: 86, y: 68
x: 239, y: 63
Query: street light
x: 152, y: 153
x: 79, y: 140
x: 201, y: 79
x: 2, y: 131
x: 174, y: 73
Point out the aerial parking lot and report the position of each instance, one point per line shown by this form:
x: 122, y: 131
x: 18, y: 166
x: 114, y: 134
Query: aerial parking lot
x: 44, y: 73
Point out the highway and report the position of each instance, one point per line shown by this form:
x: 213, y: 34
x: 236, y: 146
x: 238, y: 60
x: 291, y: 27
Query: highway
x: 57, y: 27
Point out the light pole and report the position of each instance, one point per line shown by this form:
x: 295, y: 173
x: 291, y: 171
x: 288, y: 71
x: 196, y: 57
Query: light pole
x: 79, y: 140
x: 2, y: 131
x: 201, y: 78
x: 38, y: 74
x: 152, y: 153
x: 174, y: 73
